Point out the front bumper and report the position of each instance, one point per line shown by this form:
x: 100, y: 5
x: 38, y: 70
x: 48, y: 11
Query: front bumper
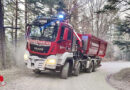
x: 35, y: 62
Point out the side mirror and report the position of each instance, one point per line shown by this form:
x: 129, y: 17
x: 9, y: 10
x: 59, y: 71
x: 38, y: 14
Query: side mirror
x: 77, y: 42
x: 65, y: 34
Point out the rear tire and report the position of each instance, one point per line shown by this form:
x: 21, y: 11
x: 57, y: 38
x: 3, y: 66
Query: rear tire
x: 77, y: 69
x: 94, y: 67
x: 36, y: 71
x: 65, y: 71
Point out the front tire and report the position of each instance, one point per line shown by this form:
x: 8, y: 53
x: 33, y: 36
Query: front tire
x: 65, y: 71
x: 77, y: 69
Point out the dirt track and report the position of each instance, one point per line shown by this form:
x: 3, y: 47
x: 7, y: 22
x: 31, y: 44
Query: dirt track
x: 51, y: 81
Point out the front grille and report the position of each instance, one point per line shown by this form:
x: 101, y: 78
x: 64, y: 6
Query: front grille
x: 40, y: 65
x: 41, y: 49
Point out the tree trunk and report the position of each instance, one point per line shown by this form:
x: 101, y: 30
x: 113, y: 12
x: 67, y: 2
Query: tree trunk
x: 2, y: 37
x: 16, y: 23
x: 25, y: 15
x: 12, y: 33
x: 75, y: 13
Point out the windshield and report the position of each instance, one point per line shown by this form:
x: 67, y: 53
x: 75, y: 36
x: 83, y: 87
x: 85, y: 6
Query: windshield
x: 44, y: 32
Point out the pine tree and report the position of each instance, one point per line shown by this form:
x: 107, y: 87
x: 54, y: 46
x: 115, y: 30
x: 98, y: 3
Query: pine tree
x: 123, y: 27
x: 37, y: 6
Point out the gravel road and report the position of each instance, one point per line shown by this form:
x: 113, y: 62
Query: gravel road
x: 51, y: 80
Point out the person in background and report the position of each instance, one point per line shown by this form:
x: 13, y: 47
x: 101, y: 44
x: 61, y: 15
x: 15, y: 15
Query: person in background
x: 2, y: 83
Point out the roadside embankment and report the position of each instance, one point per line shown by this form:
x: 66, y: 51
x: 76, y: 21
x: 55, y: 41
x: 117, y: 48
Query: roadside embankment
x: 120, y: 80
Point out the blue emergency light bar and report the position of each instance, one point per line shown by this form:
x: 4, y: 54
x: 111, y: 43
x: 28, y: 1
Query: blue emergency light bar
x: 60, y: 16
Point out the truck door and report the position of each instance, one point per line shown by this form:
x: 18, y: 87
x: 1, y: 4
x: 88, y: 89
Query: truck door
x: 62, y: 43
x: 69, y: 40
x: 65, y: 45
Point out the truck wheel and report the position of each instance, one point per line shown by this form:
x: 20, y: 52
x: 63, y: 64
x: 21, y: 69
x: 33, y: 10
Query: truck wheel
x: 77, y: 69
x: 94, y: 67
x: 90, y: 69
x: 65, y: 71
x: 36, y: 71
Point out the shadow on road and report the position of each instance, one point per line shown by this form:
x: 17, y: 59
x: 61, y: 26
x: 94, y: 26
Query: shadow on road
x: 46, y: 74
x: 53, y: 74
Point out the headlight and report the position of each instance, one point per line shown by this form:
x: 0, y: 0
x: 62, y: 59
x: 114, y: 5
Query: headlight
x: 26, y: 56
x: 51, y: 61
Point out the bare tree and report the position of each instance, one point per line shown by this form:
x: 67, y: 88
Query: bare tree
x: 25, y: 15
x: 2, y: 36
x: 92, y: 21
x: 16, y: 22
x: 72, y: 7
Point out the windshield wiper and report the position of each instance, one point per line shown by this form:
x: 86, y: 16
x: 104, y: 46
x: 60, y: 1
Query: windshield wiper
x: 34, y: 37
x: 44, y: 38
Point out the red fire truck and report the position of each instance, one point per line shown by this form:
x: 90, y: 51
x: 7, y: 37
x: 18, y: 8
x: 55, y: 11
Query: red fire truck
x: 53, y: 44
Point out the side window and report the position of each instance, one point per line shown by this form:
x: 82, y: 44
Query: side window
x: 62, y: 32
x: 69, y: 34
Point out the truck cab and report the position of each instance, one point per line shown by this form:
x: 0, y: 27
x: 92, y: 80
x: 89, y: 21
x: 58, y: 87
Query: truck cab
x: 52, y: 39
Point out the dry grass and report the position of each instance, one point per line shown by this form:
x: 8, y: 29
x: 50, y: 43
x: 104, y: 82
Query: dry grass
x: 123, y: 75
